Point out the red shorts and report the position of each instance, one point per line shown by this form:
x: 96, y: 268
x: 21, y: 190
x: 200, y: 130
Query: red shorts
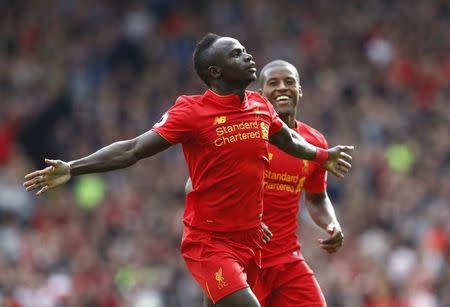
x: 222, y: 263
x: 287, y: 285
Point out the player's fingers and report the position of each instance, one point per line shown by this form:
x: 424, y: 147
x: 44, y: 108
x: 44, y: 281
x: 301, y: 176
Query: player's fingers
x: 342, y: 169
x: 337, y: 238
x: 336, y: 173
x: 33, y: 181
x: 343, y: 163
x: 36, y: 186
x: 34, y: 174
x: 266, y: 230
x: 32, y: 187
x: 43, y: 190
x: 329, y: 249
x: 345, y: 157
x: 41, y: 172
x: 346, y: 148
x: 332, y: 243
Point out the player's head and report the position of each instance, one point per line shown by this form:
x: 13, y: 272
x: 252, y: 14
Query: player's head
x: 280, y: 83
x: 223, y: 59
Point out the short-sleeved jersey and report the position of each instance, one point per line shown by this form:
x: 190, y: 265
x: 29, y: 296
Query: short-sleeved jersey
x: 284, y: 180
x: 225, y: 142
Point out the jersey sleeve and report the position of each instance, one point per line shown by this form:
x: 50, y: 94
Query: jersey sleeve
x: 317, y: 181
x: 176, y: 124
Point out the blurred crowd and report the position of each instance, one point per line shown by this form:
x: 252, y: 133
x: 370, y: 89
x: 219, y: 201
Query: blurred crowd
x: 77, y: 75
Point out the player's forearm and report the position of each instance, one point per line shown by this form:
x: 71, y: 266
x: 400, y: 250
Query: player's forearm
x: 115, y: 156
x: 294, y: 144
x: 321, y: 210
x: 300, y: 148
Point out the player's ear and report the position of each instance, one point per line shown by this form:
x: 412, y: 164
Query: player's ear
x: 214, y: 72
x: 260, y: 91
x: 300, y: 92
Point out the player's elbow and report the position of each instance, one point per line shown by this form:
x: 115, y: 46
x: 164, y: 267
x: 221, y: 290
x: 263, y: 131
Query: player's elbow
x: 131, y: 152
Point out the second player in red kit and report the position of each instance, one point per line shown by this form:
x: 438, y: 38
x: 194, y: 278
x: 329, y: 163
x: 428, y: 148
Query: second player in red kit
x: 286, y: 279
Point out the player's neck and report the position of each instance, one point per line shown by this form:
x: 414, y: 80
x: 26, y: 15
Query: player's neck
x: 289, y: 119
x: 225, y: 89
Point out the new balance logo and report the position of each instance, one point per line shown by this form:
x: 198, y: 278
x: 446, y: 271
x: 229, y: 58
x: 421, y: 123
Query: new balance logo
x: 220, y: 120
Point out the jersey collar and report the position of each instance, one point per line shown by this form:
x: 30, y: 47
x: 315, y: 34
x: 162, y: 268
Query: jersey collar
x: 230, y: 100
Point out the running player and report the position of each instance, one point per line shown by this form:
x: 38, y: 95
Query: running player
x: 224, y: 133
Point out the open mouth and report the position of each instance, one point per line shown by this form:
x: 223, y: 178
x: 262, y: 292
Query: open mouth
x: 282, y: 98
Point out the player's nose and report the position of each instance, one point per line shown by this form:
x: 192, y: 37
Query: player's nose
x: 248, y: 57
x: 281, y: 86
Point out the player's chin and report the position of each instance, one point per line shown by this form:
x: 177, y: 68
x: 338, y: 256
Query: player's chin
x: 284, y: 111
x: 252, y: 77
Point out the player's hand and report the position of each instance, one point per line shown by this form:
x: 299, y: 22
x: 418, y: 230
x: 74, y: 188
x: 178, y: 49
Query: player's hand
x: 57, y: 173
x: 267, y: 234
x: 339, y: 160
x: 335, y: 241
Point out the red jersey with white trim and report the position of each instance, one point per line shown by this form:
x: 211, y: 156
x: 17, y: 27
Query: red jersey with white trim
x: 284, y: 180
x: 225, y: 143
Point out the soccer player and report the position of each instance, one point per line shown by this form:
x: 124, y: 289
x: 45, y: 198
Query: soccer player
x: 286, y: 279
x: 224, y: 133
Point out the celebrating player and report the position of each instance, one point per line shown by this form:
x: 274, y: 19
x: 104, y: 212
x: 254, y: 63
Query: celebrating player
x: 286, y: 279
x: 224, y: 133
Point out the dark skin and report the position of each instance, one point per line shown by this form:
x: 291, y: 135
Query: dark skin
x: 232, y: 71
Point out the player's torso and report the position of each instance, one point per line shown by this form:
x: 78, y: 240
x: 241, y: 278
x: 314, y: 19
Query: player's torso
x: 230, y: 136
x: 284, y: 181
x: 227, y: 157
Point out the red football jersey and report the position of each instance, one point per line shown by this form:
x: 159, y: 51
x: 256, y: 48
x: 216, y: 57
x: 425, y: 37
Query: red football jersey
x: 284, y: 180
x: 225, y: 143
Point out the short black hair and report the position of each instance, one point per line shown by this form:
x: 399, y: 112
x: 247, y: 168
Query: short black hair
x: 275, y: 63
x: 201, y: 61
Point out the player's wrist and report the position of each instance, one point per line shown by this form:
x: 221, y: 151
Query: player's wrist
x: 70, y: 165
x: 321, y: 155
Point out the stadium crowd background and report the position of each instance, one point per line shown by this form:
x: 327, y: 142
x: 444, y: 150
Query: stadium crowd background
x: 77, y: 75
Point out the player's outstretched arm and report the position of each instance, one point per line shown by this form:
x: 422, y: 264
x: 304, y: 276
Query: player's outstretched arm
x: 114, y: 156
x: 322, y: 213
x: 336, y: 160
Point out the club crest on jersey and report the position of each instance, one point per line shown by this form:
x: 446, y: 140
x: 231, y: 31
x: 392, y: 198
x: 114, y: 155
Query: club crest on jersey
x: 270, y: 156
x: 161, y: 121
x: 218, y: 276
x: 220, y: 120
x: 305, y: 166
x: 264, y: 131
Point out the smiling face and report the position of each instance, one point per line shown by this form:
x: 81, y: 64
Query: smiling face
x: 232, y: 63
x: 281, y: 86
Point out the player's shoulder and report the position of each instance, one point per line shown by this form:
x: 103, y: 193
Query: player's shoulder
x: 188, y: 100
x: 186, y: 103
x: 256, y: 96
x: 311, y: 135
x: 259, y: 100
